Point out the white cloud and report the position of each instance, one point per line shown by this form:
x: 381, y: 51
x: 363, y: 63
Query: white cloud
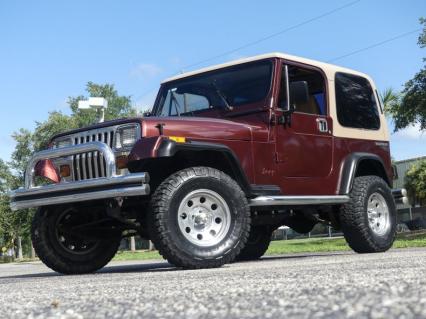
x: 175, y: 61
x: 412, y: 132
x: 145, y: 102
x: 146, y: 71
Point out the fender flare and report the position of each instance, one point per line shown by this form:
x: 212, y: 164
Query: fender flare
x: 350, y: 166
x: 163, y: 147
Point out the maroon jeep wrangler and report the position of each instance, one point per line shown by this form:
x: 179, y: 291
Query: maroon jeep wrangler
x: 227, y: 155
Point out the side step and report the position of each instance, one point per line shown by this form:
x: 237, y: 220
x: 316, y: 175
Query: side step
x: 298, y: 200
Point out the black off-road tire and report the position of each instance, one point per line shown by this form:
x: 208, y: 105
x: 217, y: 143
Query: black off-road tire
x: 55, y: 256
x: 257, y: 243
x: 164, y: 225
x: 354, y: 217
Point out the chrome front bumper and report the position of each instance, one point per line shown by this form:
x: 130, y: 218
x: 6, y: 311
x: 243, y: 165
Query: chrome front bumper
x: 134, y: 184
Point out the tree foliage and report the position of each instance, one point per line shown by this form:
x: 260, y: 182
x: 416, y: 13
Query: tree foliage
x: 412, y: 108
x: 415, y: 182
x: 118, y: 106
x: 390, y: 98
x: 13, y: 224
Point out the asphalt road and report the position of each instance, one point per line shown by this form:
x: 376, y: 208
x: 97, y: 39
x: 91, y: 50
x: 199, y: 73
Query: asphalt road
x: 335, y: 285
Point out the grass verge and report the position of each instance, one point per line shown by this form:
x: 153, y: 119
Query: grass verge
x: 312, y: 245
x: 281, y: 247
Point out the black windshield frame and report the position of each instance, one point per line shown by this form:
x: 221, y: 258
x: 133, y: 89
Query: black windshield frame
x: 219, y: 106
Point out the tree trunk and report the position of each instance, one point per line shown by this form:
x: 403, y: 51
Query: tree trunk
x: 132, y: 244
x: 151, y: 246
x: 19, y: 242
x: 33, y: 254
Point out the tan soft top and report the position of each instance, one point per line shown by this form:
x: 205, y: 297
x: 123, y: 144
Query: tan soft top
x: 326, y: 67
x: 330, y: 71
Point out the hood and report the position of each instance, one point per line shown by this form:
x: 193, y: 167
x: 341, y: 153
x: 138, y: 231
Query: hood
x: 100, y: 125
x: 197, y: 128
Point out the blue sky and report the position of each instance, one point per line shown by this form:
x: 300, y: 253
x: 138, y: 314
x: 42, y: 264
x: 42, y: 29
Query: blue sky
x: 51, y: 49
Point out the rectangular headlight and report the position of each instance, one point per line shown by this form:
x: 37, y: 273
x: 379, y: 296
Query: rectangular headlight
x: 126, y: 136
x: 62, y: 142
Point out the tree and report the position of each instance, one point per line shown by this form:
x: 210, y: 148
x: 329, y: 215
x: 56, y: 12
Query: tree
x: 118, y: 106
x: 415, y: 182
x: 412, y: 109
x: 15, y: 226
x: 390, y: 98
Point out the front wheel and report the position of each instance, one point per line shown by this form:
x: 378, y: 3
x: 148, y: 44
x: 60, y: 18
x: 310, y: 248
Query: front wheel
x: 59, y: 248
x: 199, y: 218
x: 369, y: 219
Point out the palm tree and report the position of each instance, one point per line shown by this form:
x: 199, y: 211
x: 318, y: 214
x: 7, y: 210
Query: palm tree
x: 390, y: 99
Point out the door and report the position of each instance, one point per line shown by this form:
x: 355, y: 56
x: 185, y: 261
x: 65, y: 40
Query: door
x: 304, y: 146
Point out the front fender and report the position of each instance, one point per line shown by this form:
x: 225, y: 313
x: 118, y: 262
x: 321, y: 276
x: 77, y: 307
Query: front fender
x: 146, y: 148
x: 163, y: 147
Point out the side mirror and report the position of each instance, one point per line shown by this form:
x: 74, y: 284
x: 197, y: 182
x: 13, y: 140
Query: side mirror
x: 299, y: 93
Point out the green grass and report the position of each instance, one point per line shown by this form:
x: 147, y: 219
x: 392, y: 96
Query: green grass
x: 312, y: 245
x: 137, y: 255
x: 280, y: 247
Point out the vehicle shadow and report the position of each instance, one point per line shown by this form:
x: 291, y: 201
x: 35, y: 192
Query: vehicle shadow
x: 109, y: 269
x: 306, y: 255
x: 166, y: 267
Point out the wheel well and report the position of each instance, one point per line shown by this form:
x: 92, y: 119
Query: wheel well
x: 371, y: 167
x: 360, y: 164
x: 162, y: 167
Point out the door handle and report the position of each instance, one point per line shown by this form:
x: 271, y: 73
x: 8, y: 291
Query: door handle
x: 322, y: 125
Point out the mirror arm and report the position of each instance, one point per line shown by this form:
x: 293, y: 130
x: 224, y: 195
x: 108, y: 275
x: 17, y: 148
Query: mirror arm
x: 286, y: 117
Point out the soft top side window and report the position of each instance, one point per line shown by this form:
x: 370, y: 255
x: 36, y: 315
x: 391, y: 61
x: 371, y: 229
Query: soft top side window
x: 356, y: 102
x: 316, y: 103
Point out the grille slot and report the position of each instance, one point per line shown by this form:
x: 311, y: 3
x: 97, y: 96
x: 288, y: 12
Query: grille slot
x: 92, y: 164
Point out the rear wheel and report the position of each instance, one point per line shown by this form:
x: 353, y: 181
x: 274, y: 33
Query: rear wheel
x: 199, y: 218
x: 369, y: 220
x: 257, y: 243
x: 62, y: 250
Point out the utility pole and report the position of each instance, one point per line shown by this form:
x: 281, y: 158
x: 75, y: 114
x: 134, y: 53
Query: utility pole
x: 97, y: 103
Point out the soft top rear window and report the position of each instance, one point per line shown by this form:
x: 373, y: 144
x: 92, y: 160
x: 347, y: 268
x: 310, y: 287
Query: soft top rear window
x: 356, y: 102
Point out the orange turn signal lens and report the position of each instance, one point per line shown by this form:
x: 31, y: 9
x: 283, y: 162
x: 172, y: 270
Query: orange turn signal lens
x: 65, y: 170
x: 121, y: 161
x: 178, y: 139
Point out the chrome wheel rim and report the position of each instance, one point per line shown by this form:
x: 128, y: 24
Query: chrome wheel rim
x: 378, y: 214
x: 204, y: 218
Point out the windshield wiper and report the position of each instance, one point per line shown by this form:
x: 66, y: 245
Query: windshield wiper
x: 177, y: 105
x: 222, y: 96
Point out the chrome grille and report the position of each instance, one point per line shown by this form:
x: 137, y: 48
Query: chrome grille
x: 92, y: 164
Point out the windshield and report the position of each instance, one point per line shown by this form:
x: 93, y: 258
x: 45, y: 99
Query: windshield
x: 226, y: 88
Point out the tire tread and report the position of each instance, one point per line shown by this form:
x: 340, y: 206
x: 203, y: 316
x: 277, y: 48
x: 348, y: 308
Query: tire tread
x: 159, y: 207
